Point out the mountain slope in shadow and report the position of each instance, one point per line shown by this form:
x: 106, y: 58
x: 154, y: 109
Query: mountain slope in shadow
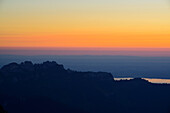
x: 49, y: 87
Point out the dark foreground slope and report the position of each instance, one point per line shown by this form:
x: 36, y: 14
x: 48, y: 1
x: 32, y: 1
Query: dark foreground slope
x: 49, y: 88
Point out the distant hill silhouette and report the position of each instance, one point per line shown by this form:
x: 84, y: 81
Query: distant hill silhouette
x: 49, y: 87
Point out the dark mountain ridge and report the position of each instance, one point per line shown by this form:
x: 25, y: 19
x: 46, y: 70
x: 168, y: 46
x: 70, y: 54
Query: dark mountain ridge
x: 49, y: 87
x: 28, y: 70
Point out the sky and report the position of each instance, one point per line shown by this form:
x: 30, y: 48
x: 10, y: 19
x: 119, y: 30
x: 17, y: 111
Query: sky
x: 85, y: 23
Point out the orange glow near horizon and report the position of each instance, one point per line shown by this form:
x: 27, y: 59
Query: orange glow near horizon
x: 94, y: 40
x: 90, y: 23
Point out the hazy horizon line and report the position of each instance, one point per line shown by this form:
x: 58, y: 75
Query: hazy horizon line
x: 85, y: 51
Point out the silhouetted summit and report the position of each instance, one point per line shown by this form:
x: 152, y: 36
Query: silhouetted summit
x: 49, y: 87
x: 27, y: 70
x: 28, y: 66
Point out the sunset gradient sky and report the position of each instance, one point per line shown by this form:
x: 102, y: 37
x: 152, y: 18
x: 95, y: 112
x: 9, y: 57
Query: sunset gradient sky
x: 85, y: 23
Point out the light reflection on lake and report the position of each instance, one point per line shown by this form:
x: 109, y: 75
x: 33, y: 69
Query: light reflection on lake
x: 152, y: 80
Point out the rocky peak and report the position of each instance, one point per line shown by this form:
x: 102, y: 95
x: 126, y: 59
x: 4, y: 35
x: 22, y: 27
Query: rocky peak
x: 27, y: 66
x: 12, y: 67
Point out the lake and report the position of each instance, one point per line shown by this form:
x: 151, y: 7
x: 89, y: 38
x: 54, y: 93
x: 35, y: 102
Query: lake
x: 152, y: 80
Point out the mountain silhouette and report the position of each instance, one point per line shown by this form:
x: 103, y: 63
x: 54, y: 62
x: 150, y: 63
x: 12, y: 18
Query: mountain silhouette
x: 49, y: 87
